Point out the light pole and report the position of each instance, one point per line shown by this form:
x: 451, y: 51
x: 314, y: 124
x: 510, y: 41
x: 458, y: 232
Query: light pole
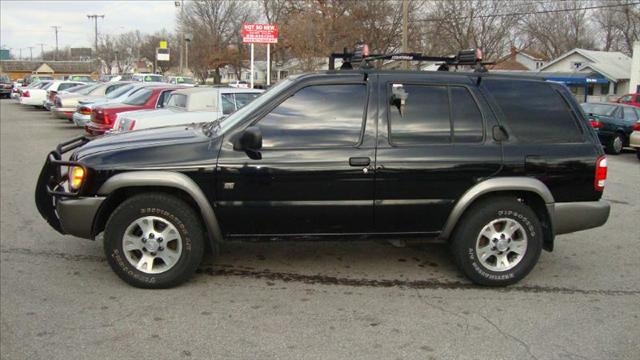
x: 180, y: 4
x: 187, y: 39
x: 55, y: 54
x: 95, y: 20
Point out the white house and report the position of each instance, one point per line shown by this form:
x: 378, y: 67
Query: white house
x: 591, y: 75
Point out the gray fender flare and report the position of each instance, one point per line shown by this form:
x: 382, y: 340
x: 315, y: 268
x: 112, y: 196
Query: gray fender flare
x: 495, y: 185
x: 172, y: 180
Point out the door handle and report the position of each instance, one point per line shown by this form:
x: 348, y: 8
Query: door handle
x: 359, y: 161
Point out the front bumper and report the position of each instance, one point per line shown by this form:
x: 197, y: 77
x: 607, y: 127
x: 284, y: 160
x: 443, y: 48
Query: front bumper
x: 576, y: 216
x: 76, y: 215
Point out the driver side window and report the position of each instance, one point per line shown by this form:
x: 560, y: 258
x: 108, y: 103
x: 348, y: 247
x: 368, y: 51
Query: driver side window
x: 316, y: 116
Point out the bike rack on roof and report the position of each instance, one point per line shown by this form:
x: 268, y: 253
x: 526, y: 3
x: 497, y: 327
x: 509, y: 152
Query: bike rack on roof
x: 360, y: 57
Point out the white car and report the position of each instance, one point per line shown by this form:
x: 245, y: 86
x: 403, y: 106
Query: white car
x: 181, y: 80
x: 634, y: 139
x: 193, y: 105
x: 147, y: 77
x: 52, y: 90
x: 34, y: 95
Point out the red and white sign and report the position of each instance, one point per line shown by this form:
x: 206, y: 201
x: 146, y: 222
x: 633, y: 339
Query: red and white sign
x: 259, y: 33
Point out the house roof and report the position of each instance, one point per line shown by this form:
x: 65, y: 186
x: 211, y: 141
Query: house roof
x: 612, y: 64
x: 510, y: 63
x: 57, y: 66
x: 534, y: 55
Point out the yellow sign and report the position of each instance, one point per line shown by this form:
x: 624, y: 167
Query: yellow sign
x: 163, y: 44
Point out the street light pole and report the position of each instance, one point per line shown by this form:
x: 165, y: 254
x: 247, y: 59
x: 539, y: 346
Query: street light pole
x: 95, y: 21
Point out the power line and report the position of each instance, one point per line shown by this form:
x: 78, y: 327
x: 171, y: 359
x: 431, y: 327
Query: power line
x: 528, y: 12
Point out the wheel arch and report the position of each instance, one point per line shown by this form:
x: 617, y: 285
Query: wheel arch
x: 124, y: 185
x: 530, y: 191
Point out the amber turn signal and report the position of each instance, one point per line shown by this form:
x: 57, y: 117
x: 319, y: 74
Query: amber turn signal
x: 76, y: 177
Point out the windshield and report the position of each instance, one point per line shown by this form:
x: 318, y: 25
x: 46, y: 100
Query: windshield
x: 139, y: 98
x: 184, y: 80
x: 120, y: 91
x: 80, y: 78
x: 599, y: 109
x: 87, y: 89
x: 257, y: 103
x: 152, y: 78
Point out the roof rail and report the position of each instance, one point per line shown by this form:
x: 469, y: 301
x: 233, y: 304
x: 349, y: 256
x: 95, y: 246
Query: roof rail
x: 360, y: 57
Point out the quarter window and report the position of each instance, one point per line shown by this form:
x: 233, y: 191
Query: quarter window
x: 534, y: 112
x: 316, y: 116
x: 467, y: 119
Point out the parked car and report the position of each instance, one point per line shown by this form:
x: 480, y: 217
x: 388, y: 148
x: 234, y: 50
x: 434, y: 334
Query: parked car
x: 38, y: 97
x: 15, y: 90
x: 65, y: 105
x: 630, y: 99
x: 36, y: 77
x: 60, y: 86
x: 84, y: 109
x: 239, y: 84
x: 5, y: 86
x: 104, y: 116
x: 634, y: 139
x: 38, y: 90
x: 351, y: 154
x: 181, y: 80
x: 86, y: 78
x: 195, y: 105
x: 147, y: 78
x: 613, y: 123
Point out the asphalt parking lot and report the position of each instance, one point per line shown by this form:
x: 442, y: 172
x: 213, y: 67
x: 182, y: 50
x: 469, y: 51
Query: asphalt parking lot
x: 313, y: 300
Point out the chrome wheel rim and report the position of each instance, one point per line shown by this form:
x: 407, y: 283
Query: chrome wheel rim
x: 152, y: 244
x: 617, y: 144
x: 501, y: 244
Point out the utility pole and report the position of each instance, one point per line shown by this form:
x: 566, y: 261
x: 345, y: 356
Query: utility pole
x: 30, y: 53
x: 181, y: 42
x: 55, y: 54
x: 95, y: 21
x: 20, y: 54
x: 405, y: 21
x: 41, y: 50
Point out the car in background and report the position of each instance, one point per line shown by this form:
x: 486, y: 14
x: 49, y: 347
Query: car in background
x: 36, y: 77
x: 85, y: 107
x: 193, y: 105
x: 634, y: 139
x: 104, y: 117
x: 239, y: 84
x: 147, y: 78
x: 5, y: 86
x: 181, y: 80
x: 65, y: 105
x: 38, y: 97
x: 630, y: 99
x: 25, y: 92
x: 15, y: 90
x: 613, y: 123
x: 60, y: 86
x: 86, y: 78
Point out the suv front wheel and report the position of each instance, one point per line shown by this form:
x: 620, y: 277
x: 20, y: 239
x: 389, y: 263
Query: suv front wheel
x: 154, y: 240
x: 497, y: 242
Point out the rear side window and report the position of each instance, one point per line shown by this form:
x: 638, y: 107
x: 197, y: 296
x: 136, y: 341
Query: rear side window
x: 177, y: 100
x: 163, y: 98
x: 467, y: 118
x: 630, y: 114
x: 424, y: 117
x: 534, y: 112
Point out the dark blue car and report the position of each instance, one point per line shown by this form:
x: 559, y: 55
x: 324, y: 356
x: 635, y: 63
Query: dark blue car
x: 613, y: 123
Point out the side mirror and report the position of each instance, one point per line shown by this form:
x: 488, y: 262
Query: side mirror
x: 249, y: 140
x: 500, y: 134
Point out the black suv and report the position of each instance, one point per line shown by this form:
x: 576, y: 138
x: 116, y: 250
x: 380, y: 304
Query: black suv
x: 495, y: 165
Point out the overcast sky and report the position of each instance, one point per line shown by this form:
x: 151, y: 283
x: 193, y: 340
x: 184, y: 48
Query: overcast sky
x: 28, y: 23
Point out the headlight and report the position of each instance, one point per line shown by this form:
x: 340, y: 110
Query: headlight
x: 76, y: 177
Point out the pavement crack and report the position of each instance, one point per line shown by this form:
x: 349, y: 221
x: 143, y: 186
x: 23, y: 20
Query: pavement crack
x: 507, y: 335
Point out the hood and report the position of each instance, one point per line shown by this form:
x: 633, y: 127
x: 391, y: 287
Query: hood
x: 175, y: 146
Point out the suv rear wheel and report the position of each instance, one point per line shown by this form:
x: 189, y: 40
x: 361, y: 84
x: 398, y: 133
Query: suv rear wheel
x: 154, y: 240
x: 497, y: 242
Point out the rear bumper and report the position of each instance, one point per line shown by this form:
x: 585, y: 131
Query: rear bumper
x: 96, y: 129
x: 634, y: 139
x: 576, y: 216
x: 81, y: 120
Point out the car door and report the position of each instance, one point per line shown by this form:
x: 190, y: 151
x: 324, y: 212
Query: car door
x: 432, y: 148
x: 313, y: 173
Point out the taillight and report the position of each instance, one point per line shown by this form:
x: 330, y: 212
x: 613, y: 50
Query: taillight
x: 84, y: 110
x: 601, y: 173
x: 636, y: 127
x: 26, y: 93
x: 107, y: 119
x: 596, y: 124
x: 132, y: 125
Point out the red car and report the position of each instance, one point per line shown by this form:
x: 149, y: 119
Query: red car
x: 104, y: 117
x: 630, y: 99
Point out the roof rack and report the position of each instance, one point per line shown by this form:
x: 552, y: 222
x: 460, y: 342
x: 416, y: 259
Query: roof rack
x: 360, y: 57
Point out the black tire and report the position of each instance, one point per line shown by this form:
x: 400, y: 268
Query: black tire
x: 463, y: 242
x: 169, y: 208
x: 614, y: 149
x: 638, y: 153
